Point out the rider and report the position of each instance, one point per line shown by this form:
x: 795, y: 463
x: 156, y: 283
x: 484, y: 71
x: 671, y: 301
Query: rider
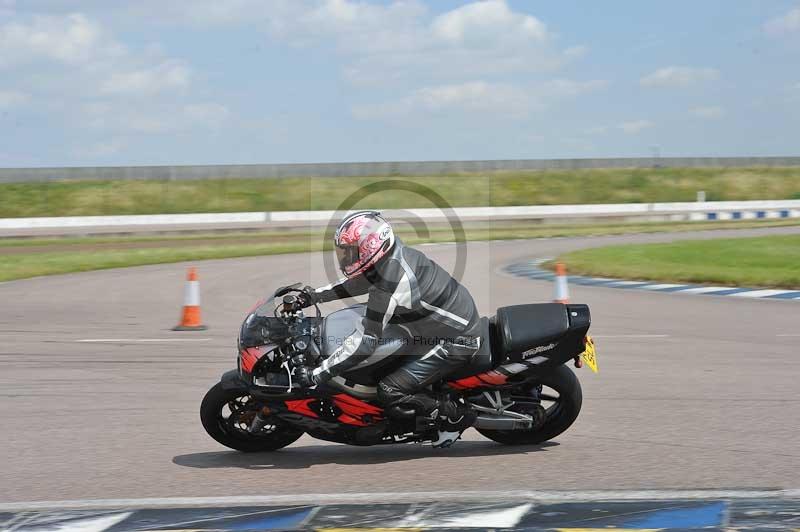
x: 408, y: 288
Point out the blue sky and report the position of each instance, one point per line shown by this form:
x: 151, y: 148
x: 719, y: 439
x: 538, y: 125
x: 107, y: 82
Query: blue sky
x: 267, y: 81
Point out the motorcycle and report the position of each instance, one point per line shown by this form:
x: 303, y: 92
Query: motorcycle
x: 518, y: 382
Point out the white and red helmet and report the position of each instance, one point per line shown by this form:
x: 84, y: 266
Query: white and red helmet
x: 362, y: 239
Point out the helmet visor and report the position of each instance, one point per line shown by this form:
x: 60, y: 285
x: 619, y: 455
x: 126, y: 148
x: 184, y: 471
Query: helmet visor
x: 348, y: 257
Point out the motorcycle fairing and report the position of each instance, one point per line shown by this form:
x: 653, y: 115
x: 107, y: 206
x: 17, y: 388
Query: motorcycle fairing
x: 496, y: 377
x: 357, y: 412
x: 301, y: 406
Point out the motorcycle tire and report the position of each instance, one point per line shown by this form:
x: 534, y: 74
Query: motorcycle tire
x: 559, y: 417
x: 231, y: 431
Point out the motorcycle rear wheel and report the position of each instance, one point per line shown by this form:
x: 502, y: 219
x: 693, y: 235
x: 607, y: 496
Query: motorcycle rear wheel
x: 560, y: 415
x: 226, y: 415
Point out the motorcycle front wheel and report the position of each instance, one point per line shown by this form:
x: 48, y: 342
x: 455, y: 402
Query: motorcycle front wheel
x: 227, y: 415
x: 560, y: 397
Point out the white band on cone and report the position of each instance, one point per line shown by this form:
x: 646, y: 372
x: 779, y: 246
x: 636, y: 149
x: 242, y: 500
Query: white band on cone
x: 562, y: 291
x: 191, y: 294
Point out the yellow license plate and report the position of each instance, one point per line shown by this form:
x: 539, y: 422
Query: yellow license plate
x: 590, y: 355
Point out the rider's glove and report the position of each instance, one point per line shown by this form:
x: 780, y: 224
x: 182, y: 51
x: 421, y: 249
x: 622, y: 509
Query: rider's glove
x: 306, y: 298
x: 304, y: 378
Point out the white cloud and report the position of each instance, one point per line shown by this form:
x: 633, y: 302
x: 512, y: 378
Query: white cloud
x: 168, y: 74
x: 679, y: 76
x: 711, y: 112
x: 206, y: 12
x: 471, y: 96
x: 71, y: 39
x: 567, y: 87
x: 480, y: 97
x: 386, y: 42
x: 486, y: 23
x: 635, y: 127
x: 478, y: 39
x: 117, y: 117
x: 9, y: 99
x: 786, y: 23
x: 96, y: 61
x: 61, y: 61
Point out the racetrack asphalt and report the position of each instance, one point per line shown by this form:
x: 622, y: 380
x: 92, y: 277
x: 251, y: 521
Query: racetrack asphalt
x: 692, y: 392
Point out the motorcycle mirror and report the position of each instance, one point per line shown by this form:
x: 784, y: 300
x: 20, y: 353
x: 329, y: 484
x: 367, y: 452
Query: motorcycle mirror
x: 283, y: 290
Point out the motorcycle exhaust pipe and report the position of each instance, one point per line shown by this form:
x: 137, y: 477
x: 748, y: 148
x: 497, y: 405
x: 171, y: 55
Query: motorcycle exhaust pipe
x: 490, y: 422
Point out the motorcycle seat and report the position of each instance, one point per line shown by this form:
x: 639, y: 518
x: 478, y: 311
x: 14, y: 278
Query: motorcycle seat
x: 521, y: 327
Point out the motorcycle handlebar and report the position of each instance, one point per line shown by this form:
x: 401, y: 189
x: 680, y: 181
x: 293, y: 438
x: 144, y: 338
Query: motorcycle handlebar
x: 292, y: 303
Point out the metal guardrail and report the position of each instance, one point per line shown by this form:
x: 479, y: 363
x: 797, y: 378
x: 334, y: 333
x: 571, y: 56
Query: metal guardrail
x: 400, y: 168
x: 695, y: 211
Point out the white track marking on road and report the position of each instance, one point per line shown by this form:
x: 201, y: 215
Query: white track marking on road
x: 788, y: 335
x: 606, y: 336
x: 409, y: 497
x: 497, y: 518
x: 761, y: 293
x: 706, y: 289
x: 630, y: 283
x: 233, y: 516
x: 139, y: 340
x: 661, y: 286
x: 87, y: 524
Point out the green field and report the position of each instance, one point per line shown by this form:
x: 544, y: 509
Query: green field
x: 84, y: 198
x: 771, y: 261
x: 31, y: 257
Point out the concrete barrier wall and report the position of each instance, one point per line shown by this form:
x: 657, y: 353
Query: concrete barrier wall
x: 406, y: 168
x: 712, y: 210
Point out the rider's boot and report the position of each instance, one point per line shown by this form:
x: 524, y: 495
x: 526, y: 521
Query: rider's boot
x: 451, y: 419
x: 444, y: 418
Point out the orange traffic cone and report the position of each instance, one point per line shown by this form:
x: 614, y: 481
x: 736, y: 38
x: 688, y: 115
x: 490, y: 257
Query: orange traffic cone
x: 561, y: 288
x: 190, y: 320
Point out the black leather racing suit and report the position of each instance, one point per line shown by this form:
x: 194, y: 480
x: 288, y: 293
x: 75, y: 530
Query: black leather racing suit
x: 414, y: 292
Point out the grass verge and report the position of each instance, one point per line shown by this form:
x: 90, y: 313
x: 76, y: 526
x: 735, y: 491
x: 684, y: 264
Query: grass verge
x: 86, y: 198
x: 22, y: 258
x: 770, y: 261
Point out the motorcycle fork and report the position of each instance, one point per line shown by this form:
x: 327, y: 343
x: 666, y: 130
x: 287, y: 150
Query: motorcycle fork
x: 261, y: 419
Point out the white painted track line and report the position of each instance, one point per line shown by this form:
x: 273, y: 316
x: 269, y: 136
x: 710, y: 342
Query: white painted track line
x: 610, y: 336
x: 139, y: 340
x: 408, y: 497
x: 762, y: 293
x: 661, y: 286
x: 706, y: 289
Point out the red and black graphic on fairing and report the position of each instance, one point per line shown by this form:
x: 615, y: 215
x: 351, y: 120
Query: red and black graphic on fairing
x: 343, y: 408
x: 356, y: 411
x: 250, y: 356
x: 301, y: 406
x: 490, y: 378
